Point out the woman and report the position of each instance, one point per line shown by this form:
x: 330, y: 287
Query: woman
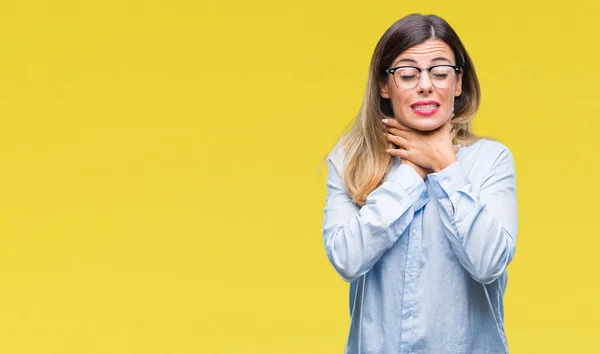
x: 421, y: 214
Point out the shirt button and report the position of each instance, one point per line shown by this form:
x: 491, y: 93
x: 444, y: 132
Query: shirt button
x: 412, y: 274
x: 408, y: 315
x: 414, y: 231
x: 447, y: 181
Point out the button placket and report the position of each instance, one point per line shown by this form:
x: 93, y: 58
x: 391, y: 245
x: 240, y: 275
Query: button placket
x: 410, y: 299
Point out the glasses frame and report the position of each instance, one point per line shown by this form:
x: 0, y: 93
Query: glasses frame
x: 391, y: 71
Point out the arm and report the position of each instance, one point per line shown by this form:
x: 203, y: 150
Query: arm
x: 482, y: 229
x: 356, y: 237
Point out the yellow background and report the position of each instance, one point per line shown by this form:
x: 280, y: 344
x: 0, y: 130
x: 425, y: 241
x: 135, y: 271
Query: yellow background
x: 160, y: 191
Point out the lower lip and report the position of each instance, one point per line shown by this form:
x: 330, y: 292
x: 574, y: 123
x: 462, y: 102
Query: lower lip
x: 426, y: 113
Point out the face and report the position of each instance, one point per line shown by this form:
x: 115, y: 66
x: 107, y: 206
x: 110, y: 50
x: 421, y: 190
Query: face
x: 424, y: 107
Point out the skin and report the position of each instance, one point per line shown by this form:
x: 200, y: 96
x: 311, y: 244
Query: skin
x: 424, y: 142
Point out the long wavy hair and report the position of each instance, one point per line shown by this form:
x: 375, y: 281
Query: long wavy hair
x: 366, y: 162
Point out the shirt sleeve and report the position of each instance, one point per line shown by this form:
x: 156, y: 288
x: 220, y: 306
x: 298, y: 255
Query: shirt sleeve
x: 482, y: 229
x: 356, y: 237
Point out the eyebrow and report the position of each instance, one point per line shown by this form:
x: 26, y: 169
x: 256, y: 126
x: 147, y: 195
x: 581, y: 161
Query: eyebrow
x: 409, y: 60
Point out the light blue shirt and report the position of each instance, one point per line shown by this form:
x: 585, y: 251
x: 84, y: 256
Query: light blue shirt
x: 426, y: 259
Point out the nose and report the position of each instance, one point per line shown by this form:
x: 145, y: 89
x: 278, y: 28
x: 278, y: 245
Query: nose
x: 425, y: 84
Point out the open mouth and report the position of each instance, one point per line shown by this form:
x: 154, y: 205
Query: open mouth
x: 425, y: 108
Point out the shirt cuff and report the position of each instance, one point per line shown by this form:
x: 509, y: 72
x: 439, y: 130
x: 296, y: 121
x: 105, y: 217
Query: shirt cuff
x: 412, y: 183
x: 448, y: 181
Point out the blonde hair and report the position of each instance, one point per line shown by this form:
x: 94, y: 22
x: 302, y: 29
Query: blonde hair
x: 365, y: 159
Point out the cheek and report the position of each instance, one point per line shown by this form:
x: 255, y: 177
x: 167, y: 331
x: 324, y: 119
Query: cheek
x: 401, y: 105
x: 449, y: 98
x: 400, y: 99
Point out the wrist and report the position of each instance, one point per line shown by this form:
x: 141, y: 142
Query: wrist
x: 443, y: 161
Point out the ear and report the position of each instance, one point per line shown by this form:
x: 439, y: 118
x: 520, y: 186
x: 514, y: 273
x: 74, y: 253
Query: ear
x: 458, y: 90
x: 383, y: 90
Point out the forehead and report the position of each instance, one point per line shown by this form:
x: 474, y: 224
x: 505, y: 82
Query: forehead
x: 427, y: 51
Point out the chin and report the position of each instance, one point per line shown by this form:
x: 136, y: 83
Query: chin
x: 424, y: 124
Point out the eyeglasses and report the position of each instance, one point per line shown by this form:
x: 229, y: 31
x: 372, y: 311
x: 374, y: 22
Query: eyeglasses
x: 441, y: 76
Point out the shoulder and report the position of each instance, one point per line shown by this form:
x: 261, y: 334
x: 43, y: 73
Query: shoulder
x: 484, y: 158
x: 335, y: 158
x: 488, y: 150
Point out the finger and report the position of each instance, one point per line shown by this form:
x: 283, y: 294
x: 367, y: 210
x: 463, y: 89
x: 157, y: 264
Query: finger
x: 397, y: 132
x: 395, y: 124
x: 398, y: 140
x: 398, y: 153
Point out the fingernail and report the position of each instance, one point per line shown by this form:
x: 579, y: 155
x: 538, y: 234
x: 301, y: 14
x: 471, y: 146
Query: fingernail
x: 384, y: 121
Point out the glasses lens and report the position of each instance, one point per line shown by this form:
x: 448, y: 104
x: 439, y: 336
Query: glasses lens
x: 442, y: 76
x: 406, y: 78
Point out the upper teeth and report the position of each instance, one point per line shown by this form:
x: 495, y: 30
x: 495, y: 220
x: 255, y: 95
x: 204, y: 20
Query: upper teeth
x: 426, y: 106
